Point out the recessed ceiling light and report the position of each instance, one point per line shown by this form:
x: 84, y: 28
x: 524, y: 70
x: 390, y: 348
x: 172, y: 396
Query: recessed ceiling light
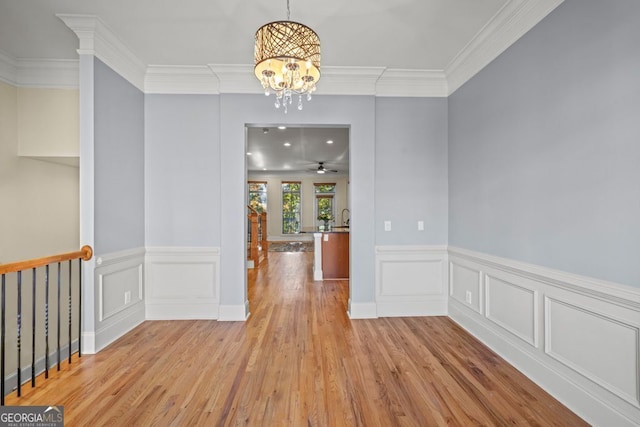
x: 287, y: 144
x: 249, y: 153
x: 264, y: 169
x: 282, y: 127
x: 330, y: 141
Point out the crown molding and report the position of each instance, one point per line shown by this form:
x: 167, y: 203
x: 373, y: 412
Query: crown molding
x: 236, y: 78
x: 180, y: 80
x: 413, y: 83
x: 8, y: 69
x: 58, y: 73
x: 39, y: 73
x: 349, y: 80
x: 98, y: 40
x: 511, y: 22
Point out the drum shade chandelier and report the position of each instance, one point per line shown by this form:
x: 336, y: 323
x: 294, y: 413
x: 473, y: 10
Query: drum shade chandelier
x: 287, y: 60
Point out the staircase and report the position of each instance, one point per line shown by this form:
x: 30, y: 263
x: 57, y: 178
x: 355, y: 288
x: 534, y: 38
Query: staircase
x: 257, y: 244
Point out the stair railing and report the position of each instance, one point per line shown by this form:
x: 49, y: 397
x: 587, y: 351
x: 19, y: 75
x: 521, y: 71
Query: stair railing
x: 257, y: 229
x: 12, y: 286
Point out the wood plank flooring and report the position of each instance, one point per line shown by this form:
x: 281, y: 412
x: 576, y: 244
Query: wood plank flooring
x: 298, y: 361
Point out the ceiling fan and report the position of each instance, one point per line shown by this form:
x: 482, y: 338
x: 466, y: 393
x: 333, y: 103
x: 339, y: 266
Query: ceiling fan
x: 321, y: 169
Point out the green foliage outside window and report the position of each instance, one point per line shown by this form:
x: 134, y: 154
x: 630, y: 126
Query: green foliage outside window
x: 325, y: 208
x: 290, y: 208
x: 258, y: 196
x: 329, y: 188
x: 324, y: 201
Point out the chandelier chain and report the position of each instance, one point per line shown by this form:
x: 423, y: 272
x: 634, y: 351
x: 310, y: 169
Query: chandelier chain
x: 288, y: 11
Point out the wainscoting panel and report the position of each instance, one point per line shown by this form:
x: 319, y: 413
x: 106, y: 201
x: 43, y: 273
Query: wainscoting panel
x: 182, y: 283
x: 119, y: 294
x: 577, y: 337
x: 513, y: 307
x: 466, y: 288
x: 601, y: 348
x: 411, y: 281
x: 118, y: 289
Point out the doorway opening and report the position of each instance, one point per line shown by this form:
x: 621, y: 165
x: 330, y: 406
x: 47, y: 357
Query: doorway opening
x: 297, y: 185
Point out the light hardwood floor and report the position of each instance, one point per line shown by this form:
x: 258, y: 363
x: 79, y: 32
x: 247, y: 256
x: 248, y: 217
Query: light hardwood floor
x: 297, y: 361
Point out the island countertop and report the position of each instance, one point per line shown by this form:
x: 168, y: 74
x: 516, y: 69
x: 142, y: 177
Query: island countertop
x: 336, y: 229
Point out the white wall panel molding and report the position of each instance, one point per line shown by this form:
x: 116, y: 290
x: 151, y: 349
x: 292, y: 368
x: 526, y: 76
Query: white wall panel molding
x: 577, y: 337
x: 119, y: 302
x: 466, y: 285
x: 411, y: 280
x: 180, y: 80
x: 511, y: 22
x: 513, y: 307
x: 600, y: 289
x: 97, y: 39
x: 182, y: 283
x: 600, y: 344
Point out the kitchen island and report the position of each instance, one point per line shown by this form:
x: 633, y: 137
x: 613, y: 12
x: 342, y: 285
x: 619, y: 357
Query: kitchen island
x: 330, y: 253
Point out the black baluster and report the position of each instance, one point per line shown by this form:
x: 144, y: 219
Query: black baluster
x: 58, y: 326
x: 19, y: 331
x: 80, y: 307
x: 2, y: 332
x: 46, y: 321
x: 33, y: 328
x: 70, y: 311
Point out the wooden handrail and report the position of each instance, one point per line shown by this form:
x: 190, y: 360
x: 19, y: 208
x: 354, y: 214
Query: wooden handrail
x: 86, y: 252
x: 263, y: 229
x: 253, y: 210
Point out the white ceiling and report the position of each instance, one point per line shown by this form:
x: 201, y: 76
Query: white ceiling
x: 308, y: 146
x: 401, y: 34
x: 430, y: 46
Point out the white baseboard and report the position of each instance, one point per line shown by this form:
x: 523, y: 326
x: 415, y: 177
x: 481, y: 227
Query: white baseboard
x: 124, y: 323
x: 411, y: 281
x: 234, y: 313
x: 182, y: 283
x: 411, y: 307
x: 88, y: 343
x: 577, y: 337
x: 317, y: 273
x: 181, y: 311
x: 362, y: 310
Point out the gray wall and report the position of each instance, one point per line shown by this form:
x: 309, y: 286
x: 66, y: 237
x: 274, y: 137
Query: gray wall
x: 411, y: 171
x: 182, y: 151
x: 544, y: 146
x: 119, y: 162
x: 195, y: 173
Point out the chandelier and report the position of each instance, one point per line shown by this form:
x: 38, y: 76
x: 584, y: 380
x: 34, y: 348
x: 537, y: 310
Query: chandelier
x: 287, y: 60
